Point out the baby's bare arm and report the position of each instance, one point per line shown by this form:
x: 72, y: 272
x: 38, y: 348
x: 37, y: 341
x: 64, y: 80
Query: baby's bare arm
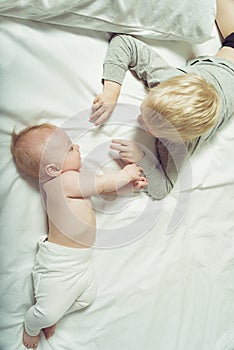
x: 85, y: 184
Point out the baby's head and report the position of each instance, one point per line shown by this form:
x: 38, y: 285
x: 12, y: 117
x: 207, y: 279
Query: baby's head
x: 27, y: 147
x: 44, y: 150
x: 186, y: 106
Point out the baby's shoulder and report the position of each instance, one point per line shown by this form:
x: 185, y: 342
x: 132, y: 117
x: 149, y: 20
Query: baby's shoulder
x: 62, y: 181
x: 69, y: 181
x: 71, y: 174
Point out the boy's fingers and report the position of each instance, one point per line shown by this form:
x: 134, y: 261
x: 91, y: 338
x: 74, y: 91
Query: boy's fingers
x: 96, y: 106
x: 102, y: 118
x: 118, y: 147
x: 98, y: 113
x: 118, y: 141
x: 96, y: 99
x: 121, y: 142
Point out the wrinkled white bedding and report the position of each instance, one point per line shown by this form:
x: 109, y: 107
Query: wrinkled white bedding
x: 184, y: 20
x: 155, y: 290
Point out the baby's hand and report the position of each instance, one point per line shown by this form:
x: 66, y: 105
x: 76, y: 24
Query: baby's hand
x: 139, y: 184
x: 134, y: 171
x: 129, y: 151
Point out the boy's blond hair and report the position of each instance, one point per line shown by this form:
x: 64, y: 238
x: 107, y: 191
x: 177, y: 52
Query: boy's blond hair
x: 186, y: 105
x: 27, y: 147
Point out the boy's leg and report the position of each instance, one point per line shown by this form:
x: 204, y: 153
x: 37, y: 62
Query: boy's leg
x: 225, y: 23
x: 225, y: 16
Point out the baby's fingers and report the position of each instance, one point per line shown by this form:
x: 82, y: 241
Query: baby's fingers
x: 139, y: 184
x: 140, y: 168
x: 143, y: 180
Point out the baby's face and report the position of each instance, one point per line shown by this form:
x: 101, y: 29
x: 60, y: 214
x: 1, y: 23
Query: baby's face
x: 72, y: 160
x: 62, y: 152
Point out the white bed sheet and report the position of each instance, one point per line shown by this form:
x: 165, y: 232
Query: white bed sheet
x: 185, y: 20
x: 160, y: 291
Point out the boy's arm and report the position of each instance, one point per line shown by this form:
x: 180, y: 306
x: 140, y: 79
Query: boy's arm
x: 161, y: 171
x: 126, y: 52
x: 159, y: 184
x: 85, y: 184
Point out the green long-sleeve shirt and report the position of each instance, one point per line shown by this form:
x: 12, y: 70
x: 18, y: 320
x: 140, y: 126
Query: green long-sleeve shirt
x: 126, y: 52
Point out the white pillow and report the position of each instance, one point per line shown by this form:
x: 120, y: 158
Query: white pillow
x: 184, y: 20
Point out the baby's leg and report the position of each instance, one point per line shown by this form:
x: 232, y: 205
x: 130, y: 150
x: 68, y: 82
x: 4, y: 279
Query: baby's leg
x: 49, y: 331
x: 86, y: 298
x: 54, y: 296
x: 29, y: 341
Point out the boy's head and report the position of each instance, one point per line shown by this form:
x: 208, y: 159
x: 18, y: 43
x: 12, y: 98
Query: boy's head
x: 44, y: 150
x: 186, y: 106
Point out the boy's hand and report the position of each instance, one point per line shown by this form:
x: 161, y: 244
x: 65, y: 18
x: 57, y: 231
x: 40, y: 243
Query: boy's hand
x: 129, y: 151
x: 104, y: 104
x: 134, y: 171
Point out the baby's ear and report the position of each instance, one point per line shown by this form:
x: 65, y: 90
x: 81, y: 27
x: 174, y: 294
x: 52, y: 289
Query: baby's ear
x: 53, y: 170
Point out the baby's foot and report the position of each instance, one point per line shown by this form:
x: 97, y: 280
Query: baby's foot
x: 29, y: 341
x: 49, y: 331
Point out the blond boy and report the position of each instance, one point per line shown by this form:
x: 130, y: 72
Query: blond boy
x: 185, y: 106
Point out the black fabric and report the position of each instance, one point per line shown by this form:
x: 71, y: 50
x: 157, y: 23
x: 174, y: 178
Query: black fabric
x: 229, y: 41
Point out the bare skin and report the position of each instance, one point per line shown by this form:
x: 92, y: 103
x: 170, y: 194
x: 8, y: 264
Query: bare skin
x: 29, y: 341
x: 225, y: 23
x: 49, y: 331
x: 72, y: 189
x: 104, y: 103
x: 224, y: 17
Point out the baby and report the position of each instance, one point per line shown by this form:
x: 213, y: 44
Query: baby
x: 62, y: 272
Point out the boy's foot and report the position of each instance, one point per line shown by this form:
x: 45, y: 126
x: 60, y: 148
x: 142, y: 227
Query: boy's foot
x: 49, y: 331
x: 29, y: 341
